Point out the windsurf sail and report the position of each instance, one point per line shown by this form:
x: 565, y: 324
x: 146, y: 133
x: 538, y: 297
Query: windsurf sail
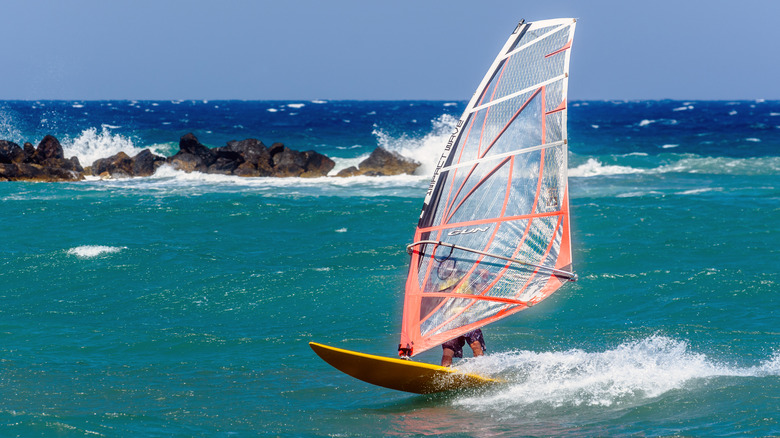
x: 493, y: 236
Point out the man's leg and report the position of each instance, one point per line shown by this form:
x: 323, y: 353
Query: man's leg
x: 477, y: 347
x: 476, y: 342
x: 446, y: 357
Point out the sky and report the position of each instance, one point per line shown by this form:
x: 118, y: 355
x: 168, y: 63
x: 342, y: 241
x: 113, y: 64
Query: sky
x: 377, y: 50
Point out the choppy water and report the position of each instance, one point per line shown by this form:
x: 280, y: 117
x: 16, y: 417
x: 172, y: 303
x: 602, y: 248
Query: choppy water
x: 182, y: 304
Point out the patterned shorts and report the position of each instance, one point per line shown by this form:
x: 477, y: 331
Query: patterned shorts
x: 457, y: 344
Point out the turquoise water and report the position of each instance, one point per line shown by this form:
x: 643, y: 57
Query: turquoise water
x: 182, y: 305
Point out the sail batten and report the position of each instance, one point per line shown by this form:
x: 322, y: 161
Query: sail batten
x: 533, y: 87
x: 500, y: 156
x: 493, y: 235
x: 536, y: 41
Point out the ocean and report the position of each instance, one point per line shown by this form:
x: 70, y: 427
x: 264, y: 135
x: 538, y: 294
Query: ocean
x: 181, y: 305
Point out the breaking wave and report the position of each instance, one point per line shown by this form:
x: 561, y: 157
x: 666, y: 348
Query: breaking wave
x: 426, y: 150
x: 92, y: 145
x: 593, y: 167
x: 632, y: 371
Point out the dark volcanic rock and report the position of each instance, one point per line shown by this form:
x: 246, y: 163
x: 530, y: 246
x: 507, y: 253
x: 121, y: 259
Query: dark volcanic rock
x: 29, y: 152
x: 251, y: 149
x: 189, y: 144
x: 46, y: 163
x: 146, y: 163
x: 224, y: 166
x: 250, y: 158
x: 36, y: 172
x: 276, y: 148
x: 117, y: 166
x: 384, y: 162
x: 349, y: 171
x: 192, y: 155
x: 317, y: 165
x: 188, y: 163
x: 48, y: 148
x: 255, y: 157
x: 308, y: 164
x: 289, y: 163
x: 10, y: 152
x: 248, y: 169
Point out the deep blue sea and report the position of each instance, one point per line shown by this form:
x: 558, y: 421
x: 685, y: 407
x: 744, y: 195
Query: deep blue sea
x: 181, y: 305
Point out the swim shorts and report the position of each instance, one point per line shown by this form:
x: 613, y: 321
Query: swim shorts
x: 457, y: 344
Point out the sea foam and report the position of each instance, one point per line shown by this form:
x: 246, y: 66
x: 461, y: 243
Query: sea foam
x: 92, y: 145
x: 594, y: 167
x: 426, y: 150
x: 91, y: 251
x: 635, y: 370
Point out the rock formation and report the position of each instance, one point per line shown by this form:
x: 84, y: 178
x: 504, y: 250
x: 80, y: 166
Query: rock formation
x: 382, y: 162
x: 247, y: 158
x: 47, y: 162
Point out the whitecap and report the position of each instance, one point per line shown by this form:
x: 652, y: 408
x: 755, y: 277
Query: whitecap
x: 296, y: 105
x: 646, y: 122
x: 450, y: 104
x: 683, y: 108
x: 753, y: 139
x: 168, y: 179
x: 319, y: 101
x: 634, y: 370
x: 272, y: 110
x: 425, y: 150
x: 699, y: 191
x: 594, y: 167
x: 594, y: 126
x: 91, y: 145
x: 341, y: 230
x: 669, y: 146
x: 91, y: 251
x: 733, y: 113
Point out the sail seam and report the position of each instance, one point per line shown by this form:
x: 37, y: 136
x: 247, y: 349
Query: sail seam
x: 494, y: 220
x: 541, y: 38
x: 518, y: 93
x: 504, y: 155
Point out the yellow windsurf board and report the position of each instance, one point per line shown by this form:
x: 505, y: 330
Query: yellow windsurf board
x: 398, y: 374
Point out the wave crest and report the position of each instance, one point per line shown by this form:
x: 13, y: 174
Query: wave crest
x: 684, y: 163
x: 426, y: 150
x: 638, y: 369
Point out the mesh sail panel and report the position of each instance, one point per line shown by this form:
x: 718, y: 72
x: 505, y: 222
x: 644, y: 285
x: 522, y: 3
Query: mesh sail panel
x: 493, y: 234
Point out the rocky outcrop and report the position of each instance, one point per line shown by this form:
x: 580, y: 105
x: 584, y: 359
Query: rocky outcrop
x: 247, y: 158
x: 382, y: 162
x: 10, y: 152
x: 146, y: 163
x: 123, y: 166
x: 47, y: 162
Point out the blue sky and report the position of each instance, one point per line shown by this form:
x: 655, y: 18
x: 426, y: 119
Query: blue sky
x: 403, y: 49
